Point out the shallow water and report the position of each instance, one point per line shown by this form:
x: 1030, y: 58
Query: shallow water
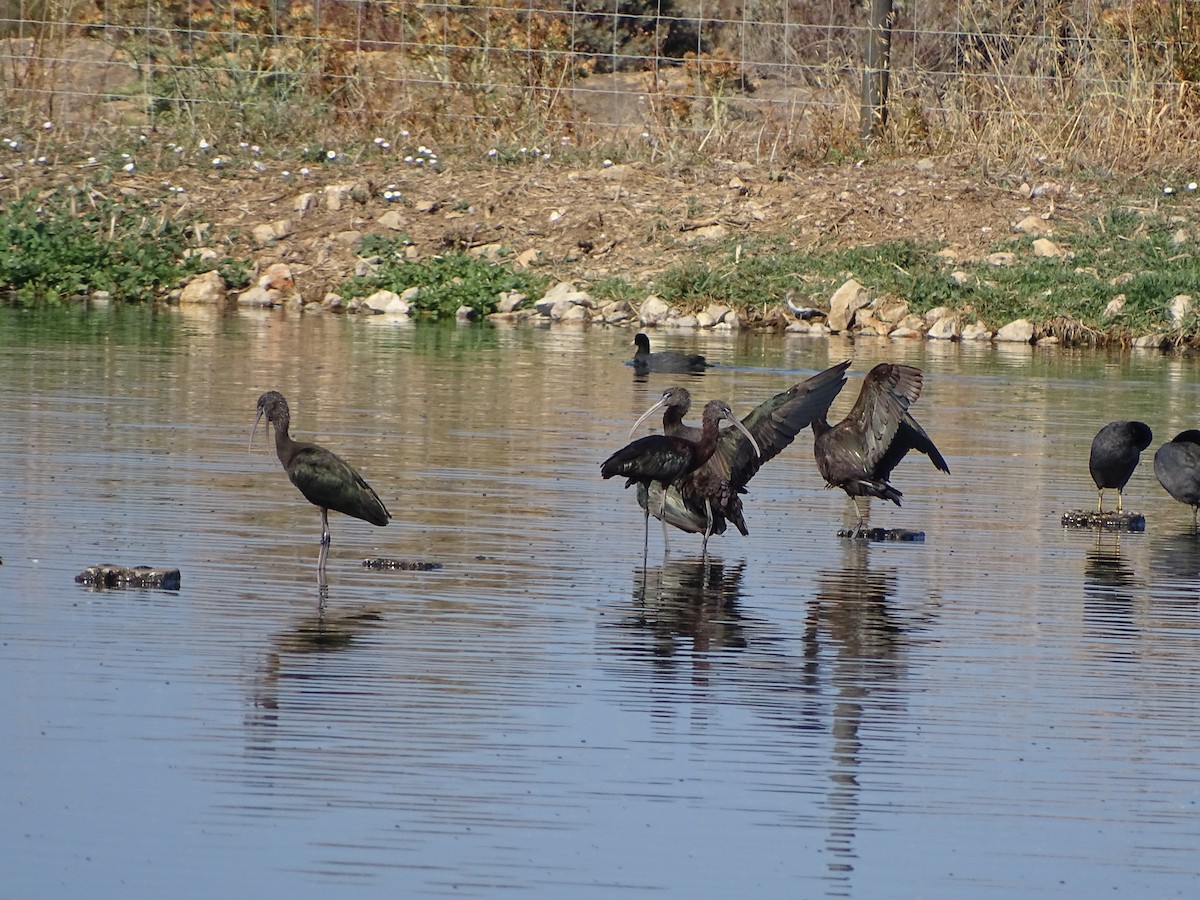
x: 1006, y: 709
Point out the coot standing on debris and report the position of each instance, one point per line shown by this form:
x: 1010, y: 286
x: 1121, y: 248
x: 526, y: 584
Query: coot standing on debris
x: 664, y: 459
x: 1177, y: 468
x: 703, y: 500
x: 1115, y: 452
x: 859, y: 453
x: 324, y: 478
x: 667, y: 361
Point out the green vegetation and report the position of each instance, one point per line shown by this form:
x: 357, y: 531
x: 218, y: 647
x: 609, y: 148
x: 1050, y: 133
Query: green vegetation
x: 446, y: 282
x: 1122, y: 254
x: 69, y: 245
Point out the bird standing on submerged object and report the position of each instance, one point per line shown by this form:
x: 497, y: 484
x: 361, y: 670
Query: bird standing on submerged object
x: 667, y: 361
x: 705, y: 499
x: 1115, y: 452
x: 1177, y: 468
x: 324, y: 478
x: 860, y: 452
x: 665, y: 459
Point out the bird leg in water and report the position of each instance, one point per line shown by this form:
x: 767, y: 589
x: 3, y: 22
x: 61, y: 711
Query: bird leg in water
x: 708, y: 525
x: 324, y: 527
x: 662, y: 514
x: 860, y: 526
x: 1120, y: 501
x: 321, y: 557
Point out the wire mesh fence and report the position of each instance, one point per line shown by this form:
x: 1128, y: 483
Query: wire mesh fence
x: 1097, y: 77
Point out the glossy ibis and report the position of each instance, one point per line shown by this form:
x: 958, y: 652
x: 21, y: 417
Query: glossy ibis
x: 324, y: 478
x: 667, y: 361
x: 664, y: 459
x: 703, y: 501
x: 1177, y: 468
x: 859, y: 453
x: 1115, y: 452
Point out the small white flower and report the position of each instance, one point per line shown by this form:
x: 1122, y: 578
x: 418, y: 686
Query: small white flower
x: 204, y: 145
x: 404, y: 134
x: 128, y: 167
x: 1168, y: 190
x: 523, y: 151
x: 286, y: 174
x: 546, y: 156
x: 408, y: 159
x: 218, y: 162
x: 48, y: 125
x: 126, y: 156
x: 493, y: 153
x: 607, y: 163
x: 378, y: 141
x: 386, y: 146
x: 1191, y: 185
x: 331, y: 154
x: 243, y: 144
x: 420, y: 162
x: 41, y: 161
x: 91, y: 161
x: 254, y: 148
x: 567, y: 140
x: 645, y: 135
x: 305, y: 171
x: 259, y: 166
x: 178, y: 149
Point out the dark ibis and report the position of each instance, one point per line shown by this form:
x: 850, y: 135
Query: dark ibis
x: 1116, y: 449
x: 664, y: 459
x: 703, y: 501
x: 859, y: 453
x: 666, y: 361
x: 1177, y: 468
x: 324, y: 478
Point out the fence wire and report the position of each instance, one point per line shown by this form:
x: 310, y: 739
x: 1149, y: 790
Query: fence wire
x: 780, y: 70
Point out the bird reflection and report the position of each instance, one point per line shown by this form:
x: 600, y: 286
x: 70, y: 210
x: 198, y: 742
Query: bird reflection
x: 852, y: 615
x: 1109, y: 583
x: 690, y: 605
x: 1176, y: 559
x: 314, y: 635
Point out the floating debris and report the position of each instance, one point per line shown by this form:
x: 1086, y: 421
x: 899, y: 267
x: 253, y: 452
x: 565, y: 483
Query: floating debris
x: 883, y: 534
x: 110, y: 576
x: 1109, y: 521
x: 408, y: 565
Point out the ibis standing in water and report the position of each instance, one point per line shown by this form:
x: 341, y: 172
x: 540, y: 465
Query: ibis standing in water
x: 705, y: 499
x: 324, y: 478
x: 859, y: 453
x: 1177, y: 468
x: 665, y: 459
x: 1116, y: 449
x: 667, y: 361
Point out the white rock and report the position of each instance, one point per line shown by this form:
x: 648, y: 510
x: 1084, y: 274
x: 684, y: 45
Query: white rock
x: 891, y: 309
x: 944, y: 329
x: 1034, y: 225
x: 560, y: 307
x: 1002, y: 258
x: 393, y: 220
x: 1045, y: 247
x: 653, y: 310
x: 277, y: 277
x: 465, y: 313
x: 1150, y: 341
x: 936, y: 314
x: 257, y: 296
x: 685, y: 322
x: 1181, y: 306
x: 1114, y: 306
x: 337, y: 195
x: 798, y: 327
x: 732, y: 320
x: 510, y: 300
x: 208, y: 287
x: 305, y: 202
x: 380, y: 300
x: 959, y: 277
x: 901, y: 332
x: 576, y: 314
x: 717, y: 311
x: 845, y: 302
x: 976, y: 331
x: 1019, y: 331
x: 704, y: 320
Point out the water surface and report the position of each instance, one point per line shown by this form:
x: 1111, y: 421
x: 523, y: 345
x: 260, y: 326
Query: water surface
x: 1007, y: 709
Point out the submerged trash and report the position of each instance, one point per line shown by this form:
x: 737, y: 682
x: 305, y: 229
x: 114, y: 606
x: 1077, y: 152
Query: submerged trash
x: 378, y: 562
x: 110, y: 576
x: 882, y: 534
x: 1109, y: 521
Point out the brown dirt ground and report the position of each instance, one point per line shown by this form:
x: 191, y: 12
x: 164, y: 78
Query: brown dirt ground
x: 624, y: 220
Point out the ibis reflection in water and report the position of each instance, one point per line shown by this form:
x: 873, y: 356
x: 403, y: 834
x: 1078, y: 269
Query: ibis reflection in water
x: 706, y: 499
x: 665, y: 459
x: 667, y: 361
x: 325, y: 479
x: 1115, y: 451
x: 860, y: 452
